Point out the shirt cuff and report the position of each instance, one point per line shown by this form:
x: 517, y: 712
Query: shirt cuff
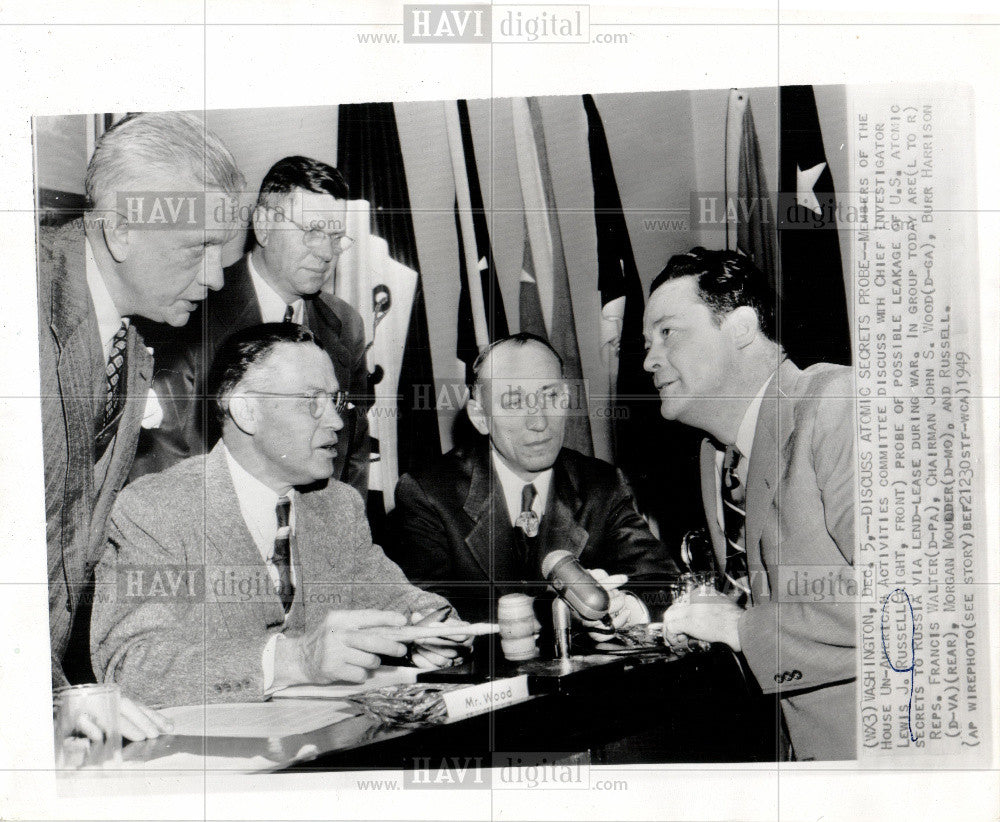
x: 267, y: 662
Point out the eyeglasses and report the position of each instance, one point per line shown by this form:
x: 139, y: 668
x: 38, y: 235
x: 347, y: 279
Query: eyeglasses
x: 318, y: 401
x: 316, y: 236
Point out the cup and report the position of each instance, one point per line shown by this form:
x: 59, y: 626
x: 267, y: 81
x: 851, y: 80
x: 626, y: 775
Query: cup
x: 87, y: 731
x: 518, y: 627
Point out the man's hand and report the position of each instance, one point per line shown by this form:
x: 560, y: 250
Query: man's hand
x: 343, y: 647
x: 625, y: 610
x: 136, y: 722
x: 440, y: 652
x: 708, y: 615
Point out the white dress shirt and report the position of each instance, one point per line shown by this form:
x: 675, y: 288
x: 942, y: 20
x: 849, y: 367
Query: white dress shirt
x: 272, y: 306
x: 512, y: 485
x: 109, y: 320
x: 257, y: 505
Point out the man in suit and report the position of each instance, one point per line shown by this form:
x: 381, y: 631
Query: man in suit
x: 298, y: 236
x: 778, y: 483
x: 139, y: 251
x: 247, y: 569
x: 476, y: 524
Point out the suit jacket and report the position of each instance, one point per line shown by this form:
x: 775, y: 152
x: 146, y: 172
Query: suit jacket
x: 800, y: 492
x: 453, y: 534
x: 184, y: 605
x: 183, y: 357
x: 72, y: 365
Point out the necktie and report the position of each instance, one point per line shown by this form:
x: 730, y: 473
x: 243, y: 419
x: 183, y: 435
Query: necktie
x: 282, y: 552
x: 526, y: 527
x: 289, y: 313
x: 114, y: 370
x: 734, y: 520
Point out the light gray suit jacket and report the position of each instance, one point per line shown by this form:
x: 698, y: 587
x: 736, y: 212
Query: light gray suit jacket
x: 800, y: 517
x: 184, y: 605
x: 72, y: 365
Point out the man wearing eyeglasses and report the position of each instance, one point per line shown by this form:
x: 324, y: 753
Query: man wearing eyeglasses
x: 298, y: 229
x: 248, y: 569
x: 477, y: 524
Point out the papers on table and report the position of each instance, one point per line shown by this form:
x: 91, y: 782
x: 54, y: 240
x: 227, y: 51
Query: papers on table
x: 386, y: 675
x: 256, y: 719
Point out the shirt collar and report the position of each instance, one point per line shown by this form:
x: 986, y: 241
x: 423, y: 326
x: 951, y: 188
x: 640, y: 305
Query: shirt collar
x: 252, y: 494
x: 511, y: 485
x: 109, y: 320
x: 748, y: 426
x: 272, y: 306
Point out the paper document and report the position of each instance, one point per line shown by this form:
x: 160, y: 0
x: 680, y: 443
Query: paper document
x: 256, y: 719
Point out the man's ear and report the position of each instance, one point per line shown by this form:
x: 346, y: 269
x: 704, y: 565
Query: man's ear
x: 743, y: 325
x: 115, y: 229
x: 259, y: 222
x: 477, y: 414
x: 243, y: 412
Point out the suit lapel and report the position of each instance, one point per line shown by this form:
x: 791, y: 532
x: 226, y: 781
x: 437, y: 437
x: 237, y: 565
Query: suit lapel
x: 560, y: 528
x: 774, y: 426
x: 138, y: 378
x: 489, y: 541
x: 235, y: 306
x: 228, y: 543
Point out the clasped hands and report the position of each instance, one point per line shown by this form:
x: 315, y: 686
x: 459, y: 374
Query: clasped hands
x: 346, y: 645
x: 707, y: 615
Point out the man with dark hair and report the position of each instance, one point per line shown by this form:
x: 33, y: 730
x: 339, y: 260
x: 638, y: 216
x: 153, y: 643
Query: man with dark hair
x: 96, y: 277
x: 271, y: 578
x: 299, y: 225
x: 476, y: 524
x: 778, y: 483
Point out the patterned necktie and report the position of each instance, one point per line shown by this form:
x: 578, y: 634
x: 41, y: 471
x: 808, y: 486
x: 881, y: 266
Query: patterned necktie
x: 113, y: 371
x: 289, y: 314
x: 734, y: 521
x: 281, y: 559
x: 526, y: 527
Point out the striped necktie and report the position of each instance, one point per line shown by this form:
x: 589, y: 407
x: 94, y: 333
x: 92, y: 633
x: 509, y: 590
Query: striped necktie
x: 281, y: 559
x: 113, y: 371
x: 526, y: 531
x: 734, y: 522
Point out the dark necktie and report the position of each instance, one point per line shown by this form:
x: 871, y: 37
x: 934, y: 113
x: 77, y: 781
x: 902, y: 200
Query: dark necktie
x: 114, y: 370
x: 734, y: 521
x: 289, y: 313
x: 526, y: 528
x: 282, y: 552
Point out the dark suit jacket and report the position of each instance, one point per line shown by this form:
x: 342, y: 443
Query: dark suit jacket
x: 454, y: 537
x: 72, y: 365
x: 183, y: 357
x: 800, y: 514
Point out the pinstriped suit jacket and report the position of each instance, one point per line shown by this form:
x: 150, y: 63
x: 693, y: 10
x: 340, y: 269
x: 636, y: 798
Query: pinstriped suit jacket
x: 72, y: 365
x: 184, y: 605
x: 800, y: 516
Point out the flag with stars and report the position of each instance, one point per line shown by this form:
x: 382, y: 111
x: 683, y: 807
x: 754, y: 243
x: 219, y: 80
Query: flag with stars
x: 813, y: 320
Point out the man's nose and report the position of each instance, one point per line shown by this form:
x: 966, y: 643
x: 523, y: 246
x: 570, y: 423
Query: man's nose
x: 211, y: 272
x: 538, y: 420
x: 652, y: 361
x: 331, y: 418
x: 324, y: 249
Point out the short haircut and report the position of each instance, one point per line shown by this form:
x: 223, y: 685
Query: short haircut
x: 240, y: 352
x: 521, y: 339
x: 129, y: 154
x: 302, y: 172
x: 726, y: 281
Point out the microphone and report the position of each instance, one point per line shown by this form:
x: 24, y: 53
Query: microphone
x: 575, y: 586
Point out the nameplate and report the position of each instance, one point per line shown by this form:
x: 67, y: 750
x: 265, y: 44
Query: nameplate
x: 485, y: 697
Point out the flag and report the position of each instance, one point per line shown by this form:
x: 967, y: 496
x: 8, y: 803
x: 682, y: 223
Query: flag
x: 546, y: 306
x: 813, y: 322
x: 659, y: 458
x: 481, y: 315
x: 753, y: 231
x: 370, y: 157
